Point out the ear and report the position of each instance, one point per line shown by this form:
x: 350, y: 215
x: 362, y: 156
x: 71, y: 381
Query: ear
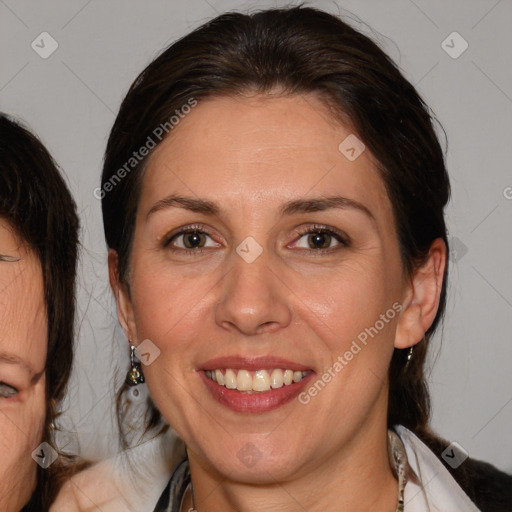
x: 421, y: 297
x: 122, y: 295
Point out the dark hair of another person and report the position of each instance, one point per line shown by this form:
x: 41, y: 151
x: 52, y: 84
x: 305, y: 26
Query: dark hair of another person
x: 35, y: 201
x: 299, y: 50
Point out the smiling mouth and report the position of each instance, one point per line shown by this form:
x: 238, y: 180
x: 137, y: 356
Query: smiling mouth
x: 259, y: 381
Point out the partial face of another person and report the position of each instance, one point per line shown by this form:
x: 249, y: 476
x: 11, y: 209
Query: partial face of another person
x: 23, y: 346
x: 261, y: 249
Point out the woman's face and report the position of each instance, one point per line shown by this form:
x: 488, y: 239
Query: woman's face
x: 23, y: 345
x: 294, y: 265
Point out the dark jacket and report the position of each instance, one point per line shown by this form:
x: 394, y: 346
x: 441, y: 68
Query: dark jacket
x: 489, y: 488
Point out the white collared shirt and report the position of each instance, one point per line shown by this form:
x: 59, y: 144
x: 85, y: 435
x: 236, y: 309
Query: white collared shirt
x: 438, y: 492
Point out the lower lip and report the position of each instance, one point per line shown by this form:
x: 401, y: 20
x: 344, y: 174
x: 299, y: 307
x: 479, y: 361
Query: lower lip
x: 256, y: 402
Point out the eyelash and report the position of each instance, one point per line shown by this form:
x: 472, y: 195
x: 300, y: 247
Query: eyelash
x: 12, y: 391
x: 195, y: 228
x: 342, y: 238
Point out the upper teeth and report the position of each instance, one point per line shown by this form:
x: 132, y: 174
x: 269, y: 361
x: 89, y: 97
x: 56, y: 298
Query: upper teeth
x: 260, y: 380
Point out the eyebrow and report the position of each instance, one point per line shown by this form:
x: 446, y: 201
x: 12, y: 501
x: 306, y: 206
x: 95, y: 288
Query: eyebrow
x: 324, y: 203
x: 188, y: 203
x: 306, y: 205
x: 9, y: 358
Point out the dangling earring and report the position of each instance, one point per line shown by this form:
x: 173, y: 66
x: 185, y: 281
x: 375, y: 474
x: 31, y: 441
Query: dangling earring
x: 134, y: 376
x: 409, y: 357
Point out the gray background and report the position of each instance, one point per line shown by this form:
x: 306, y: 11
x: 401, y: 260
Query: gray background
x: 71, y: 98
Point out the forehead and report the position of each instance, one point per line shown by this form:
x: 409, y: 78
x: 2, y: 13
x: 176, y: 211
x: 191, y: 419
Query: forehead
x: 9, y: 240
x: 22, y: 306
x: 254, y: 151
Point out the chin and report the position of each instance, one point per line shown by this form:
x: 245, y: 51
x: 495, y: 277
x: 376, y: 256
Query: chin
x: 256, y: 461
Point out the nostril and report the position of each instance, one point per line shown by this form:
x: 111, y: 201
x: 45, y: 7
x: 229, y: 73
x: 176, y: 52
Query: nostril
x: 268, y: 327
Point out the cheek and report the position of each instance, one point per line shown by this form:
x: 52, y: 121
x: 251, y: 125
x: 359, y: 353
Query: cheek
x: 343, y: 302
x: 172, y: 311
x: 352, y: 314
x: 15, y: 442
x: 21, y: 427
x: 168, y: 305
x: 25, y: 420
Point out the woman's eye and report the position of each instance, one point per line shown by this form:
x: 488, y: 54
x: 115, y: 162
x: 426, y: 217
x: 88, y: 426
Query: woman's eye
x: 320, y: 239
x: 191, y: 240
x: 7, y: 391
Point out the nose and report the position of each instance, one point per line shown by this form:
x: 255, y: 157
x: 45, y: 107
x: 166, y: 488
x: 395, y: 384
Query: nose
x: 253, y: 299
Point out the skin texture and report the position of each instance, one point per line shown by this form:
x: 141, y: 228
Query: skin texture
x: 23, y: 336
x: 250, y: 155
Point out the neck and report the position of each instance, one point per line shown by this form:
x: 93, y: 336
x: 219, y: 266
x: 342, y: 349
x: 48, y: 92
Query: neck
x: 356, y: 477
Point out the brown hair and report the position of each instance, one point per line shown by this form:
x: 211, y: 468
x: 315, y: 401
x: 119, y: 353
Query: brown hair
x: 299, y: 50
x: 35, y: 201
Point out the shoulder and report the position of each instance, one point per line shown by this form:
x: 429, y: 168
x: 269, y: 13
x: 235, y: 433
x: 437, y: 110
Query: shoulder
x: 130, y: 482
x: 490, y: 488
x: 92, y: 489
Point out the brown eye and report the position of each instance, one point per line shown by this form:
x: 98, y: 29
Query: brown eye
x: 190, y: 240
x: 319, y: 241
x: 194, y: 240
